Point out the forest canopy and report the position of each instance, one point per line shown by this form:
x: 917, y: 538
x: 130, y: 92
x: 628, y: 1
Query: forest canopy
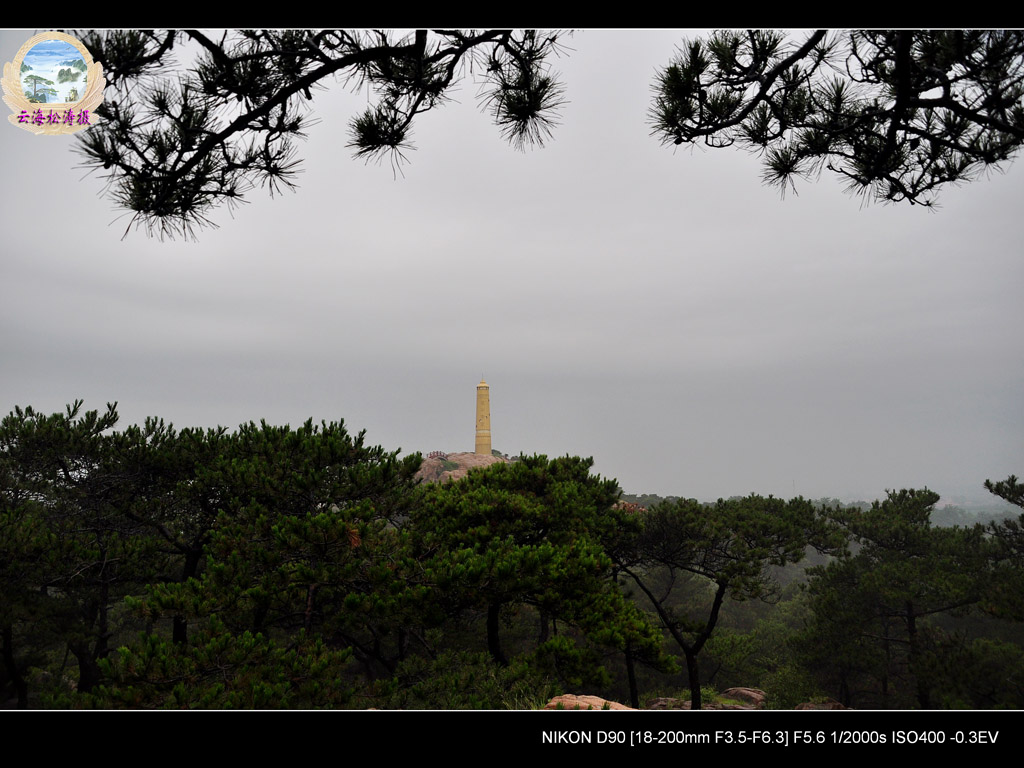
x: 281, y: 567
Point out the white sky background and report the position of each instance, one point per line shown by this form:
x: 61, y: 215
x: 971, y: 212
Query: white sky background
x: 660, y: 311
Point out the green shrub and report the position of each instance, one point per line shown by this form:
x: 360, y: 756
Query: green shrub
x: 789, y: 686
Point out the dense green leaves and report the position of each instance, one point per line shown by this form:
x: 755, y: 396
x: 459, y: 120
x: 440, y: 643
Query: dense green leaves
x: 533, y: 532
x: 1005, y: 597
x: 268, y: 529
x: 299, y: 567
x: 69, y: 553
x: 873, y: 606
x: 222, y: 669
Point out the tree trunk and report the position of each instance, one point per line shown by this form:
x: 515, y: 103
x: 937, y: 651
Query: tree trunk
x: 694, y: 673
x: 923, y: 694
x: 89, y: 674
x: 179, y: 634
x: 634, y: 694
x: 493, y: 642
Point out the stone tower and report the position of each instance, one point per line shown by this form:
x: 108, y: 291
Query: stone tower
x: 483, y: 418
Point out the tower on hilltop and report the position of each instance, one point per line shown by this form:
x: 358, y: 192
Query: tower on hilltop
x: 483, y: 418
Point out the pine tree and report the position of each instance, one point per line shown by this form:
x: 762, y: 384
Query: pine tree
x: 720, y: 550
x: 874, y: 607
x: 177, y: 148
x: 532, y: 533
x: 896, y: 114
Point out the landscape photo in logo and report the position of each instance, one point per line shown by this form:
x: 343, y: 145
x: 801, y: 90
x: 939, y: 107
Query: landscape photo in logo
x: 53, y: 72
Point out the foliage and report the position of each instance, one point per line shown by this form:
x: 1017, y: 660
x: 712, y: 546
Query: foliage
x: 219, y: 670
x: 1005, y: 596
x: 730, y: 655
x: 269, y: 529
x: 648, y: 500
x: 726, y: 548
x: 532, y: 532
x: 895, y: 113
x: 174, y: 150
x: 789, y: 686
x: 70, y: 555
x: 1009, y: 490
x: 36, y: 81
x: 465, y: 680
x: 872, y: 607
x: 40, y: 87
x: 303, y: 541
x: 978, y: 673
x: 299, y: 567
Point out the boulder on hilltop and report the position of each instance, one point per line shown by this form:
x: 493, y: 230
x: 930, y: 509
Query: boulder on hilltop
x: 456, y: 466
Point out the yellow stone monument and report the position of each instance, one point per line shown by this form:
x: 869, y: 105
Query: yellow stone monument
x: 483, y: 418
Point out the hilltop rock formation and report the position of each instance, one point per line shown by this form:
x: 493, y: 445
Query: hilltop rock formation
x: 452, y: 466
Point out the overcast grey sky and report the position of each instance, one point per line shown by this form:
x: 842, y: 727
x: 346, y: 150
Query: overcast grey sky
x: 660, y: 311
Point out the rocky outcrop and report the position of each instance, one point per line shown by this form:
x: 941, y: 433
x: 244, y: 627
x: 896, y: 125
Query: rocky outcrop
x: 827, y: 704
x: 753, y: 696
x: 571, y: 701
x: 685, y: 704
x: 731, y: 698
x: 453, y: 466
x: 668, y: 703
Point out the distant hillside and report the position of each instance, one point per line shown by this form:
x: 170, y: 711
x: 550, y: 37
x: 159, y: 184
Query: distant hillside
x: 452, y: 466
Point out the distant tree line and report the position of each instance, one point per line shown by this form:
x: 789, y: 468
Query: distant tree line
x: 280, y: 567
